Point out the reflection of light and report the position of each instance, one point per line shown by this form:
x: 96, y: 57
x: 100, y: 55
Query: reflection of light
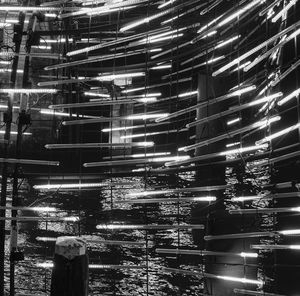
x: 149, y: 154
x: 41, y: 47
x: 43, y: 209
x: 67, y: 186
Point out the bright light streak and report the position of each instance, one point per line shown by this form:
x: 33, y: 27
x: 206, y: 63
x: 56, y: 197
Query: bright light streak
x: 239, y: 12
x: 166, y: 4
x: 245, y: 198
x: 232, y: 144
x: 69, y: 186
x: 290, y: 232
x: 27, y: 90
x: 292, y: 95
x: 240, y: 280
x: 187, y: 94
x: 283, y: 11
x: 146, y: 116
x: 233, y: 121
x: 279, y: 134
x: 120, y: 76
x: 92, y: 94
x: 161, y: 67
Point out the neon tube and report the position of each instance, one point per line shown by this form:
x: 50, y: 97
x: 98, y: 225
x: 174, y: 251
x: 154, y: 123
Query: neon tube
x: 147, y: 227
x: 98, y: 145
x: 166, y: 200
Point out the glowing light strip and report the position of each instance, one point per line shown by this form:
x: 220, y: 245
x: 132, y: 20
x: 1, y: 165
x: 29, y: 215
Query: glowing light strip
x: 259, y: 124
x: 69, y: 186
x: 176, y: 190
x: 132, y: 161
x: 276, y: 247
x: 96, y: 266
x: 213, y: 101
x: 147, y: 227
x: 205, y: 253
x: 278, y: 134
x: 28, y: 91
x: 235, y: 109
x: 255, y: 293
x: 29, y: 8
x: 41, y: 219
x: 115, y: 42
x: 255, y: 49
x: 166, y: 200
x: 292, y: 95
x: 252, y: 234
x: 283, y: 11
x: 166, y: 4
x: 92, y: 104
x: 29, y: 161
x: 35, y: 209
x: 213, y: 155
x: 133, y: 136
x: 98, y: 145
x: 264, y: 210
x: 240, y: 12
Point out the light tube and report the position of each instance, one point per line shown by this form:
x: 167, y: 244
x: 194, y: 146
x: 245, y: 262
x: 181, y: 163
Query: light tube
x: 264, y: 210
x: 15, y: 133
x: 28, y: 8
x: 51, y: 15
x: 35, y: 209
x: 41, y: 47
x: 5, y: 62
x: 275, y: 247
x: 176, y: 190
x: 40, y: 219
x: 224, y: 43
x: 240, y: 280
x: 283, y: 11
x: 259, y: 124
x: 212, y: 155
x: 29, y: 161
x: 138, y: 155
x: 28, y: 91
x: 155, y: 40
x: 161, y: 67
x: 92, y: 94
x: 147, y: 100
x: 233, y: 121
x: 278, y: 134
x: 69, y: 186
x: 146, y: 116
x: 246, y: 198
x: 255, y: 293
x: 166, y: 4
x: 151, y: 134
x: 290, y: 232
x: 119, y: 76
x: 166, y: 200
x: 209, y: 34
x: 205, y: 253
x: 99, y: 145
x: 187, y: 94
x: 255, y: 49
x: 133, y: 161
x: 239, y: 12
x: 232, y: 144
x: 292, y: 95
x: 204, y: 28
x: 147, y: 227
x: 213, y: 101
